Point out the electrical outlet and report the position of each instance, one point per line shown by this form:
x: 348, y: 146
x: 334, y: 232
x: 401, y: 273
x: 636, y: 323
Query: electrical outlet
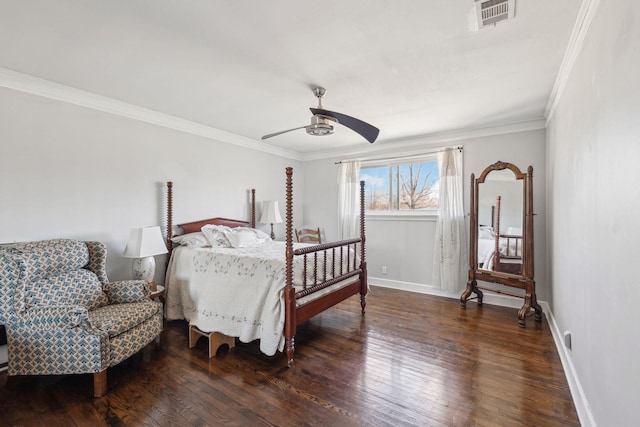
x: 384, y: 269
x: 567, y: 339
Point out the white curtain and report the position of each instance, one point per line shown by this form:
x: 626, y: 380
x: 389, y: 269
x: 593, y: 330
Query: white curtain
x: 450, y: 263
x: 348, y: 199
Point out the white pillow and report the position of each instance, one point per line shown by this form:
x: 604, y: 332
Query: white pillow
x: 192, y: 240
x: 485, y: 233
x: 243, y: 237
x: 261, y: 234
x: 216, y: 236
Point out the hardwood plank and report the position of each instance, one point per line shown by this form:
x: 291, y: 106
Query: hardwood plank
x: 412, y: 360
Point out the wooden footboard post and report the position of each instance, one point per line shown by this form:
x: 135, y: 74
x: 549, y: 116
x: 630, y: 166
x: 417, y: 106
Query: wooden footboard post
x: 253, y: 208
x: 289, y: 291
x: 363, y: 261
x: 169, y: 221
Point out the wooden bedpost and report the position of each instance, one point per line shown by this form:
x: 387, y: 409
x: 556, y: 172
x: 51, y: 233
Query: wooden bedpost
x: 496, y: 249
x: 289, y: 291
x: 169, y: 220
x: 253, y: 208
x: 363, y: 261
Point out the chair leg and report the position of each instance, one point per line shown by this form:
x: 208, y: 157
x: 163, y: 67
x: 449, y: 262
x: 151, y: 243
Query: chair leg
x: 158, y: 343
x: 100, y: 383
x: 12, y: 381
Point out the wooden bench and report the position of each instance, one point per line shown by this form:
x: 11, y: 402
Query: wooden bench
x: 216, y: 339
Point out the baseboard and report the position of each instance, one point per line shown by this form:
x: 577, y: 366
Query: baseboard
x: 408, y: 286
x: 492, y: 299
x: 577, y: 393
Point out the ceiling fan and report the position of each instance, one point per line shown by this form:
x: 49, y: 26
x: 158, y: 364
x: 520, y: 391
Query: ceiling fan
x: 320, y: 122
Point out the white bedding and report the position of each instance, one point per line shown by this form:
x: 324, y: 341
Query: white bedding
x: 234, y: 291
x: 486, y: 248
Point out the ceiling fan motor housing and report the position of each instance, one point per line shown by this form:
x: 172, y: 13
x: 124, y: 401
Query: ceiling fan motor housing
x: 319, y: 127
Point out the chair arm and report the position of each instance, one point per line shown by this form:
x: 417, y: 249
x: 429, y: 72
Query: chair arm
x: 54, y: 317
x: 98, y: 260
x: 127, y: 291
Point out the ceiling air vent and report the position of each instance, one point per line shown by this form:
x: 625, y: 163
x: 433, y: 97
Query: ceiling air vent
x: 490, y: 12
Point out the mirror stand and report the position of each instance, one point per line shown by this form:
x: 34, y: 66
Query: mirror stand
x: 498, y: 257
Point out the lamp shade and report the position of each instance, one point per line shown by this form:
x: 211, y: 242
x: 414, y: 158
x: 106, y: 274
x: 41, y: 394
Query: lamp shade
x: 144, y: 242
x: 270, y: 213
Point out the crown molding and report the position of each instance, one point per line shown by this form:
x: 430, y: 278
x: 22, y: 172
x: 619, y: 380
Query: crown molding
x: 48, y: 89
x: 424, y: 141
x: 580, y: 29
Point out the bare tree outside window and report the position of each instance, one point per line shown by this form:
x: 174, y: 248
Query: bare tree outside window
x: 401, y: 186
x: 417, y: 187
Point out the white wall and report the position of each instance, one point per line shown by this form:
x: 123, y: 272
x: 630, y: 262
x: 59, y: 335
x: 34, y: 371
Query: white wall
x: 405, y: 246
x: 73, y: 172
x: 593, y: 149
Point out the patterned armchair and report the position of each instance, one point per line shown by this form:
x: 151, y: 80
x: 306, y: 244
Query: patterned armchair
x: 63, y: 316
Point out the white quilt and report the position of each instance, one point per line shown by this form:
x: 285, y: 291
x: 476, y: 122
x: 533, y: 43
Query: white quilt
x: 234, y: 291
x: 486, y: 249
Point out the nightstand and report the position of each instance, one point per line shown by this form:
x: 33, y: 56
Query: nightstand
x: 158, y: 293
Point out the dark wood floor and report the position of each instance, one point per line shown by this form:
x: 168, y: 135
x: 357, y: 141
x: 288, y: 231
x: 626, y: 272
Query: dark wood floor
x: 413, y: 360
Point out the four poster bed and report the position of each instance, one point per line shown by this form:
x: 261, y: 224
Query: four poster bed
x: 236, y: 281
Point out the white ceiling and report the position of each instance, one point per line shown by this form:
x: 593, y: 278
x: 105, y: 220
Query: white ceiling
x: 411, y: 68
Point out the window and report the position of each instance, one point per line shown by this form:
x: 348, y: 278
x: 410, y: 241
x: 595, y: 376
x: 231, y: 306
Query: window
x: 401, y: 186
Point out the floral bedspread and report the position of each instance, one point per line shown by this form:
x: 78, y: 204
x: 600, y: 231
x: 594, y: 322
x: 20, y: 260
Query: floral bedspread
x: 234, y: 291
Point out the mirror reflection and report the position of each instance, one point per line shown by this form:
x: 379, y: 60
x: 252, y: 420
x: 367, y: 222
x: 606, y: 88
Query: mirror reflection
x: 500, y: 219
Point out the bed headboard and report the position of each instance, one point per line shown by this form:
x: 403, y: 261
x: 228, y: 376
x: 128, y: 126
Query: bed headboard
x: 192, y: 227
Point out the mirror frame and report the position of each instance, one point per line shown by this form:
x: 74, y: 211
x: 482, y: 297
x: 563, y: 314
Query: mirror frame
x: 524, y: 281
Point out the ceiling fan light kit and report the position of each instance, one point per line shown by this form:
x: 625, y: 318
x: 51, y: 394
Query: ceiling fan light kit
x: 320, y: 125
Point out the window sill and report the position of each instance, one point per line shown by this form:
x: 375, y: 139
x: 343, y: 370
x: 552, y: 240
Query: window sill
x: 402, y: 216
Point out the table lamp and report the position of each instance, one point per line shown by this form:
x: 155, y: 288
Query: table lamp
x: 144, y: 243
x: 270, y: 215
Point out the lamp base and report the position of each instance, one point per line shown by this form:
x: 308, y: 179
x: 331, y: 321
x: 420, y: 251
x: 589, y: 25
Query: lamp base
x: 144, y: 268
x: 273, y: 235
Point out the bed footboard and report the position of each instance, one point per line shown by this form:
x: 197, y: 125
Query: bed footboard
x: 338, y: 273
x: 338, y: 261
x: 331, y: 273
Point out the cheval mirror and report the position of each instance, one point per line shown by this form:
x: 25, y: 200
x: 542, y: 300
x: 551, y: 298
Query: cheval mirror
x: 501, y: 242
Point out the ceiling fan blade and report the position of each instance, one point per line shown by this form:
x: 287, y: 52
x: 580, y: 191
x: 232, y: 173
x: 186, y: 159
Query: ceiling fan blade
x: 281, y: 132
x: 368, y: 132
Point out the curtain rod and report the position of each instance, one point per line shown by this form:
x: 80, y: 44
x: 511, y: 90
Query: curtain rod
x: 459, y: 147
